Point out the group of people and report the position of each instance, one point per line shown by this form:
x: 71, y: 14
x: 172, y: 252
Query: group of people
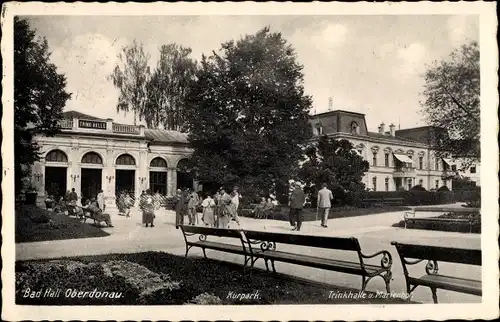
x: 70, y: 203
x: 217, y: 210
x: 297, y: 202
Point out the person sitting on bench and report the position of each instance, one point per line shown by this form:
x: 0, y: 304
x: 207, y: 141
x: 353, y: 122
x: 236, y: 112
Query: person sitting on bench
x: 259, y: 209
x: 98, y: 215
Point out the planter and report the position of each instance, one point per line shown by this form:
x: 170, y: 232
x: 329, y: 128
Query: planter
x: 30, y: 198
x: 49, y: 204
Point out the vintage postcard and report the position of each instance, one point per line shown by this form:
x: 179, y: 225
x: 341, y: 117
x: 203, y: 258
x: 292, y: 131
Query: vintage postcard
x: 249, y: 161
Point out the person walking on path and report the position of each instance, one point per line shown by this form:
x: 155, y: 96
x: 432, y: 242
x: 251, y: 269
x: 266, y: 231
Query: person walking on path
x: 208, y: 205
x: 193, y: 201
x: 224, y: 211
x: 128, y: 204
x: 148, y: 209
x: 297, y: 201
x: 325, y: 197
x: 235, y: 203
x: 179, y: 203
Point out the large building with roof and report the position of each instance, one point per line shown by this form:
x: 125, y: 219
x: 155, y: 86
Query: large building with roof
x: 90, y: 154
x: 399, y: 159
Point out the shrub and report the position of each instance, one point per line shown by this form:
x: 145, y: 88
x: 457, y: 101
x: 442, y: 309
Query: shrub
x: 418, y: 188
x: 443, y: 188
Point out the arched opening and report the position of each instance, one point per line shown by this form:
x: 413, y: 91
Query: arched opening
x: 158, y: 176
x: 125, y: 174
x: 91, y: 179
x: 56, y: 172
x: 184, y: 175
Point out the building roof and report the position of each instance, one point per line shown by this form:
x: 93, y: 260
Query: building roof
x: 388, y: 136
x: 72, y: 114
x: 165, y: 136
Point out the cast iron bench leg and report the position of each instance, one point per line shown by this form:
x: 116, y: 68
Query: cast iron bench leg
x: 387, y: 278
x: 187, y: 250
x: 204, y: 254
x: 434, y: 295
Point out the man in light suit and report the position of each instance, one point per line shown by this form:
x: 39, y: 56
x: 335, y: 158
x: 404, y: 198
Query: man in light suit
x: 325, y: 197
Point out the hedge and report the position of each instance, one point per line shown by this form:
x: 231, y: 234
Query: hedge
x: 415, y: 197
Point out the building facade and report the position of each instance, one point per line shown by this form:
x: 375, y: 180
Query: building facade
x: 90, y: 154
x: 399, y: 159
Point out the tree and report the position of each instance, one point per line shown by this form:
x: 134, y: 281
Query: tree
x: 452, y: 103
x: 167, y: 88
x: 248, y: 115
x: 130, y: 76
x: 39, y: 97
x: 336, y: 163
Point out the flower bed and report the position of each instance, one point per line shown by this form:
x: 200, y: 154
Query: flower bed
x: 156, y: 278
x: 447, y: 226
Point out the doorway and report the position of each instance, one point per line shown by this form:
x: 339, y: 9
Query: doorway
x: 55, y: 181
x: 158, y: 182
x: 91, y: 182
x: 184, y: 180
x: 125, y: 181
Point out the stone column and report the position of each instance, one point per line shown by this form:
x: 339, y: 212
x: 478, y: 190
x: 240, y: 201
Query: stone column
x: 171, y: 181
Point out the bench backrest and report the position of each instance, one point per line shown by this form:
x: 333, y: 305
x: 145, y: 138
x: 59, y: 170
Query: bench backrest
x: 444, y: 254
x: 338, y: 243
x: 219, y: 232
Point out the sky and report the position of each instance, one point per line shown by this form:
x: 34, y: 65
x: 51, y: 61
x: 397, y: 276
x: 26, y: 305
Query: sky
x: 368, y: 64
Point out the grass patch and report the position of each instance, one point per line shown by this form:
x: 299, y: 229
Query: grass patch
x: 446, y: 226
x: 309, y: 214
x: 36, y: 224
x: 196, y: 281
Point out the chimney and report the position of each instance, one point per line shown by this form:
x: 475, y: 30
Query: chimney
x: 330, y: 104
x: 381, y: 128
x: 392, y: 129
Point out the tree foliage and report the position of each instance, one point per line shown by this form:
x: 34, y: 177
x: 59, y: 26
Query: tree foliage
x: 336, y: 163
x: 167, y: 88
x: 39, y: 96
x: 248, y: 114
x: 452, y: 92
x: 130, y: 76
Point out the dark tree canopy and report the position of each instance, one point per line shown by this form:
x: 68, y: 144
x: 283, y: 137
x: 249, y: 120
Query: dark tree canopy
x: 39, y: 96
x: 452, y: 102
x: 336, y: 163
x: 247, y: 113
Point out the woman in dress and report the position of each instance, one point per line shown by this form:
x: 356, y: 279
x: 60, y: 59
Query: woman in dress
x: 147, y: 206
x: 208, y: 205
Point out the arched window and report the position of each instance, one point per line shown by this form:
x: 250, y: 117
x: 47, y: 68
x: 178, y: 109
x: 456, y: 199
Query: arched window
x: 125, y: 159
x: 56, y: 156
x: 354, y: 128
x: 158, y: 163
x: 92, y: 157
x: 183, y: 165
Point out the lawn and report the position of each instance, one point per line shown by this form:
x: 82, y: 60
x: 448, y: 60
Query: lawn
x: 157, y: 278
x: 309, y: 214
x: 445, y: 226
x: 36, y: 224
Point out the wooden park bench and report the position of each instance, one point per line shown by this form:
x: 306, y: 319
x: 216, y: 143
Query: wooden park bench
x: 268, y: 252
x: 411, y: 216
x: 215, y: 243
x: 97, y: 217
x: 432, y: 279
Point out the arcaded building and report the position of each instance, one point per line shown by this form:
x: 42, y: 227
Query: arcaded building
x: 399, y: 159
x: 90, y: 154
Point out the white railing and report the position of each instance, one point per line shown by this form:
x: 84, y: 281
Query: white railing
x: 129, y: 129
x: 66, y: 124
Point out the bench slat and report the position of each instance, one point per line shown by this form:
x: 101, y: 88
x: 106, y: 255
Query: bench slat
x: 446, y: 254
x: 219, y: 246
x: 319, y: 262
x: 449, y: 283
x: 338, y: 243
x: 219, y: 232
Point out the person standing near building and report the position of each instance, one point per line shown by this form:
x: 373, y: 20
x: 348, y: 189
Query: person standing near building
x: 297, y: 201
x: 193, y: 201
x: 100, y: 200
x: 72, y: 195
x: 178, y: 204
x: 148, y: 209
x: 208, y: 205
x: 325, y: 197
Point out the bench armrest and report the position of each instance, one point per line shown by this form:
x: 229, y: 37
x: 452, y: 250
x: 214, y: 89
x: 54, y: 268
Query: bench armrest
x: 385, y: 261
